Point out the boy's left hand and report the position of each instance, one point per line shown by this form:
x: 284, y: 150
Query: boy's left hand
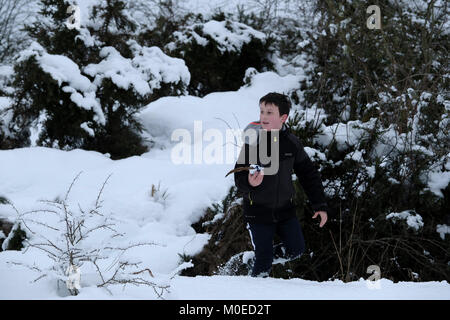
x: 323, y: 217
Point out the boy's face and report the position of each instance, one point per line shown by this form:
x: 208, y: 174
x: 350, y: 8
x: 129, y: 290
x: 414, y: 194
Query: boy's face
x: 270, y: 117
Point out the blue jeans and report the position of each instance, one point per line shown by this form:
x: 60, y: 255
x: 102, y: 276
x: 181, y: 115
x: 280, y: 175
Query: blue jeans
x: 262, y: 235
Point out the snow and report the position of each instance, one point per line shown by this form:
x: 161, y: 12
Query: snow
x: 223, y: 287
x: 240, y: 288
x: 217, y: 111
x: 439, y: 179
x: 314, y: 153
x: 233, y: 39
x: 413, y: 221
x: 37, y: 128
x: 160, y: 67
x: 442, y: 229
x: 229, y: 35
x: 85, y: 127
x: 145, y: 72
x: 61, y: 68
x: 5, y: 102
x: 6, y: 71
x: 346, y: 134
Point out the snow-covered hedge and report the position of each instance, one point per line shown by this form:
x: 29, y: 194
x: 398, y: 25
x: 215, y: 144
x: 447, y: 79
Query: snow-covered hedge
x: 82, y: 95
x: 217, y: 51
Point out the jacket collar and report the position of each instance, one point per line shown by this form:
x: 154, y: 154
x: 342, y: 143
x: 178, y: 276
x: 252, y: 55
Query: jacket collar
x: 285, y: 129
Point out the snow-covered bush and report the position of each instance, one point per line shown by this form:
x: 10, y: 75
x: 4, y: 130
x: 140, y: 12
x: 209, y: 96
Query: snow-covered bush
x: 217, y: 51
x: 369, y: 174
x: 80, y: 88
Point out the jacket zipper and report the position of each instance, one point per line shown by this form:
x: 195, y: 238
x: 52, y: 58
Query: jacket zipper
x: 276, y: 201
x: 277, y: 191
x: 250, y: 198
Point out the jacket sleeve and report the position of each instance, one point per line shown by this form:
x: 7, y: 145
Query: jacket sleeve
x: 310, y: 180
x: 241, y: 178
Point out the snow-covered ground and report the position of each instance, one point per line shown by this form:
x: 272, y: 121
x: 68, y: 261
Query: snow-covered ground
x: 237, y: 288
x: 31, y: 174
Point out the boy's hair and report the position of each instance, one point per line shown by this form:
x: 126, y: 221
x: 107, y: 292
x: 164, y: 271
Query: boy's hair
x: 280, y: 100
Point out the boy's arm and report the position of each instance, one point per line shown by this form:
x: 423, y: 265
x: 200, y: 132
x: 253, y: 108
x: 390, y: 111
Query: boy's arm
x: 310, y: 180
x: 241, y: 178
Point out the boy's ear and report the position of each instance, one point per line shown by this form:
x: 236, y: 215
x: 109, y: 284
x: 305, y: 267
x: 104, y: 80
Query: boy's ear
x: 284, y: 117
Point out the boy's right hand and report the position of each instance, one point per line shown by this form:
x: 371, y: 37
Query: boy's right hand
x: 256, y: 178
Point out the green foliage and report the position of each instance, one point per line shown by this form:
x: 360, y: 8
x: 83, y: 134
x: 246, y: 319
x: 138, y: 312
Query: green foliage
x: 185, y: 257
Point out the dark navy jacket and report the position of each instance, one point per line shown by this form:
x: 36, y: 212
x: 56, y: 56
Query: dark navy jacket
x: 273, y: 199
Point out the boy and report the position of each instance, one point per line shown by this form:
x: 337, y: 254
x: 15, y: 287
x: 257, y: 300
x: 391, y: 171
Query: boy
x: 268, y: 199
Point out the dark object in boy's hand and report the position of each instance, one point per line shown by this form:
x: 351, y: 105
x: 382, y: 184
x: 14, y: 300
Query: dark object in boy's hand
x: 252, y: 168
